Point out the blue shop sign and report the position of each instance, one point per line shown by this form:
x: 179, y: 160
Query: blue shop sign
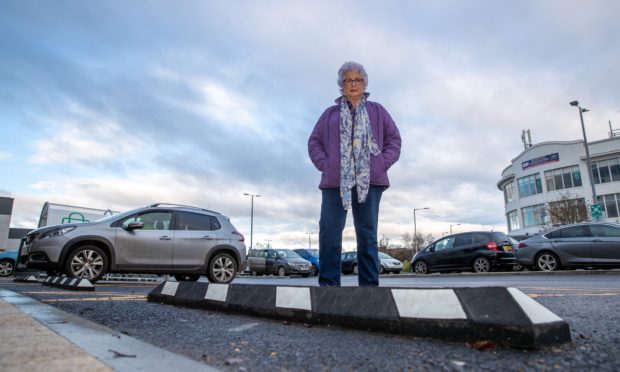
x: 541, y: 160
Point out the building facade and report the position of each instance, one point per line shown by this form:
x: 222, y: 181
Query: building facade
x: 549, y: 174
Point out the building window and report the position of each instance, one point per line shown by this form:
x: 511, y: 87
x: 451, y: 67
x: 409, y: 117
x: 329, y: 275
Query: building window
x: 534, y: 216
x: 563, y: 178
x: 610, y: 204
x: 605, y: 171
x: 513, y: 221
x: 509, y: 192
x: 530, y: 185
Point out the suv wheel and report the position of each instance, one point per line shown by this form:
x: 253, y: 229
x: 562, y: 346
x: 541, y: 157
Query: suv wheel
x: 281, y: 271
x: 222, y: 268
x: 186, y: 277
x: 87, y: 262
x: 355, y: 271
x: 6, y: 267
x: 482, y: 265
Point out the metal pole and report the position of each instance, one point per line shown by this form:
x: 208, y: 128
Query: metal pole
x: 251, y: 221
x: 251, y: 217
x: 414, y: 243
x: 415, y: 231
x: 585, y: 143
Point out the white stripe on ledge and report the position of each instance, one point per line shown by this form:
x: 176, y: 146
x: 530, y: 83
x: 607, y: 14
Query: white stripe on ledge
x: 294, y: 298
x: 537, y: 313
x: 428, y: 304
x: 170, y: 288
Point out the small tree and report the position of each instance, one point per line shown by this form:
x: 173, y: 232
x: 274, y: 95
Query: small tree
x: 422, y: 241
x: 567, y: 210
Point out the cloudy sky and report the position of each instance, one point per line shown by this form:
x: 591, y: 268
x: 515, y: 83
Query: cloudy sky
x: 116, y: 104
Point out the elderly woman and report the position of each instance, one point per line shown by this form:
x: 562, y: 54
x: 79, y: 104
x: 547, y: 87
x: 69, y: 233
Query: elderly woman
x: 353, y: 144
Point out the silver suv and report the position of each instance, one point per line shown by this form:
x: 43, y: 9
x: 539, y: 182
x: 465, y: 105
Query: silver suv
x: 184, y: 241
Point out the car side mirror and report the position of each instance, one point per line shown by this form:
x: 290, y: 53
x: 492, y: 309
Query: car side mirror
x: 135, y: 225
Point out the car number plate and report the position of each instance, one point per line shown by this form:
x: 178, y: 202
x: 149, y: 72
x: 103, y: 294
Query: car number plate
x: 507, y: 248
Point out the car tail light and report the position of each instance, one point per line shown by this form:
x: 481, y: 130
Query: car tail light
x: 522, y: 245
x: 241, y: 238
x: 493, y: 246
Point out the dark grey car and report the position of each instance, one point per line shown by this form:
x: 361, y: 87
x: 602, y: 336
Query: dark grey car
x: 280, y: 262
x: 591, y: 244
x: 184, y: 241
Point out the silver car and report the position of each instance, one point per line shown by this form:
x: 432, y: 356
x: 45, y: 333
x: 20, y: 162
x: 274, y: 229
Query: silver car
x: 183, y: 241
x: 591, y: 244
x: 389, y: 264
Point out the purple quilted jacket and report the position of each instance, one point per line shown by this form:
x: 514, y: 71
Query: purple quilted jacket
x: 324, y: 145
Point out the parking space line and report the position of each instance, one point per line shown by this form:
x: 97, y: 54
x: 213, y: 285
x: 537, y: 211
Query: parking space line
x: 113, y: 298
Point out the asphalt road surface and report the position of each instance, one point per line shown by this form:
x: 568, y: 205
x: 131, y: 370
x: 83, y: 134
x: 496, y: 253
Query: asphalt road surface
x: 588, y: 301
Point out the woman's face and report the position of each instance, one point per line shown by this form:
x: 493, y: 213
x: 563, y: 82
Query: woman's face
x: 353, y: 85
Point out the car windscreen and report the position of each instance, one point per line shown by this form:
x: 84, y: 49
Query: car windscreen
x: 383, y: 255
x: 118, y: 215
x: 286, y: 253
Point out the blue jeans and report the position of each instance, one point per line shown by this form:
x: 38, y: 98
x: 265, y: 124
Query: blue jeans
x: 331, y: 225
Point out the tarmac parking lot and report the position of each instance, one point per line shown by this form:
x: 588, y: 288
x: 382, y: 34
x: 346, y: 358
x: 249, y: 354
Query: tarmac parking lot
x: 231, y: 341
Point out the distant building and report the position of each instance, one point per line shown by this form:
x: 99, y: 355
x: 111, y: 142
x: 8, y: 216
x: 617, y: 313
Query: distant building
x: 547, y: 172
x: 6, y: 209
x: 51, y: 214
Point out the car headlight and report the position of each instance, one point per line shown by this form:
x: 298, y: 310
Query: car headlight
x: 56, y: 232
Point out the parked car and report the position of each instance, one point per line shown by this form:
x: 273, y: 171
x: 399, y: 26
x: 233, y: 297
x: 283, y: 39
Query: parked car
x: 591, y: 244
x: 7, y: 262
x: 387, y: 263
x: 478, y: 251
x: 184, y: 241
x: 348, y: 263
x: 311, y: 255
x: 280, y: 262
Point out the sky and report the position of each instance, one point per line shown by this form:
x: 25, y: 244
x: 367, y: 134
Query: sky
x: 115, y: 104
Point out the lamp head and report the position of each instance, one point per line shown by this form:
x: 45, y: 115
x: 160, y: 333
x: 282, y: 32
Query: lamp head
x: 574, y: 103
x: 584, y: 110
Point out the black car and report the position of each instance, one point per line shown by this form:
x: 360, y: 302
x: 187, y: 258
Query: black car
x: 478, y: 251
x: 280, y: 262
x: 349, y: 263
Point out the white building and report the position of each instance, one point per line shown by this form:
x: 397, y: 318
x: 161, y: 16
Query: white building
x: 547, y: 172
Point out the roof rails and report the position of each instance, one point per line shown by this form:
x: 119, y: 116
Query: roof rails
x: 179, y: 205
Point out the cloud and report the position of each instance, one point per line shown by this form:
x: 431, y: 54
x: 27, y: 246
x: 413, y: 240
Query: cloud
x: 5, y: 156
x: 84, y: 138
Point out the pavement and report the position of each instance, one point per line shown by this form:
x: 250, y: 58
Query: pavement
x: 36, y: 336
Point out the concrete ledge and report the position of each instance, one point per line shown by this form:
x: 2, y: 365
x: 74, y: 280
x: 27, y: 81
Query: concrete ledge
x: 505, y: 316
x: 73, y: 284
x: 26, y: 279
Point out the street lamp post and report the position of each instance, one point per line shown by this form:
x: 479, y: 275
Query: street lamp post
x: 415, y: 231
x: 268, y: 243
x: 309, y: 243
x: 251, y: 216
x: 456, y: 224
x: 585, y: 143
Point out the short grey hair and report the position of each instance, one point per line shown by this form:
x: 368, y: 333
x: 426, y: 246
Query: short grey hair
x: 351, y: 66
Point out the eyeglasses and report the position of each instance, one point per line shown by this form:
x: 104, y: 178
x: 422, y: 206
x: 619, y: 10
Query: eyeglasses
x: 351, y: 81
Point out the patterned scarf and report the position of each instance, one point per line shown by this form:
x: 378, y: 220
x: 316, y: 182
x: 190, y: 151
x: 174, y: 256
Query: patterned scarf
x: 355, y: 152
